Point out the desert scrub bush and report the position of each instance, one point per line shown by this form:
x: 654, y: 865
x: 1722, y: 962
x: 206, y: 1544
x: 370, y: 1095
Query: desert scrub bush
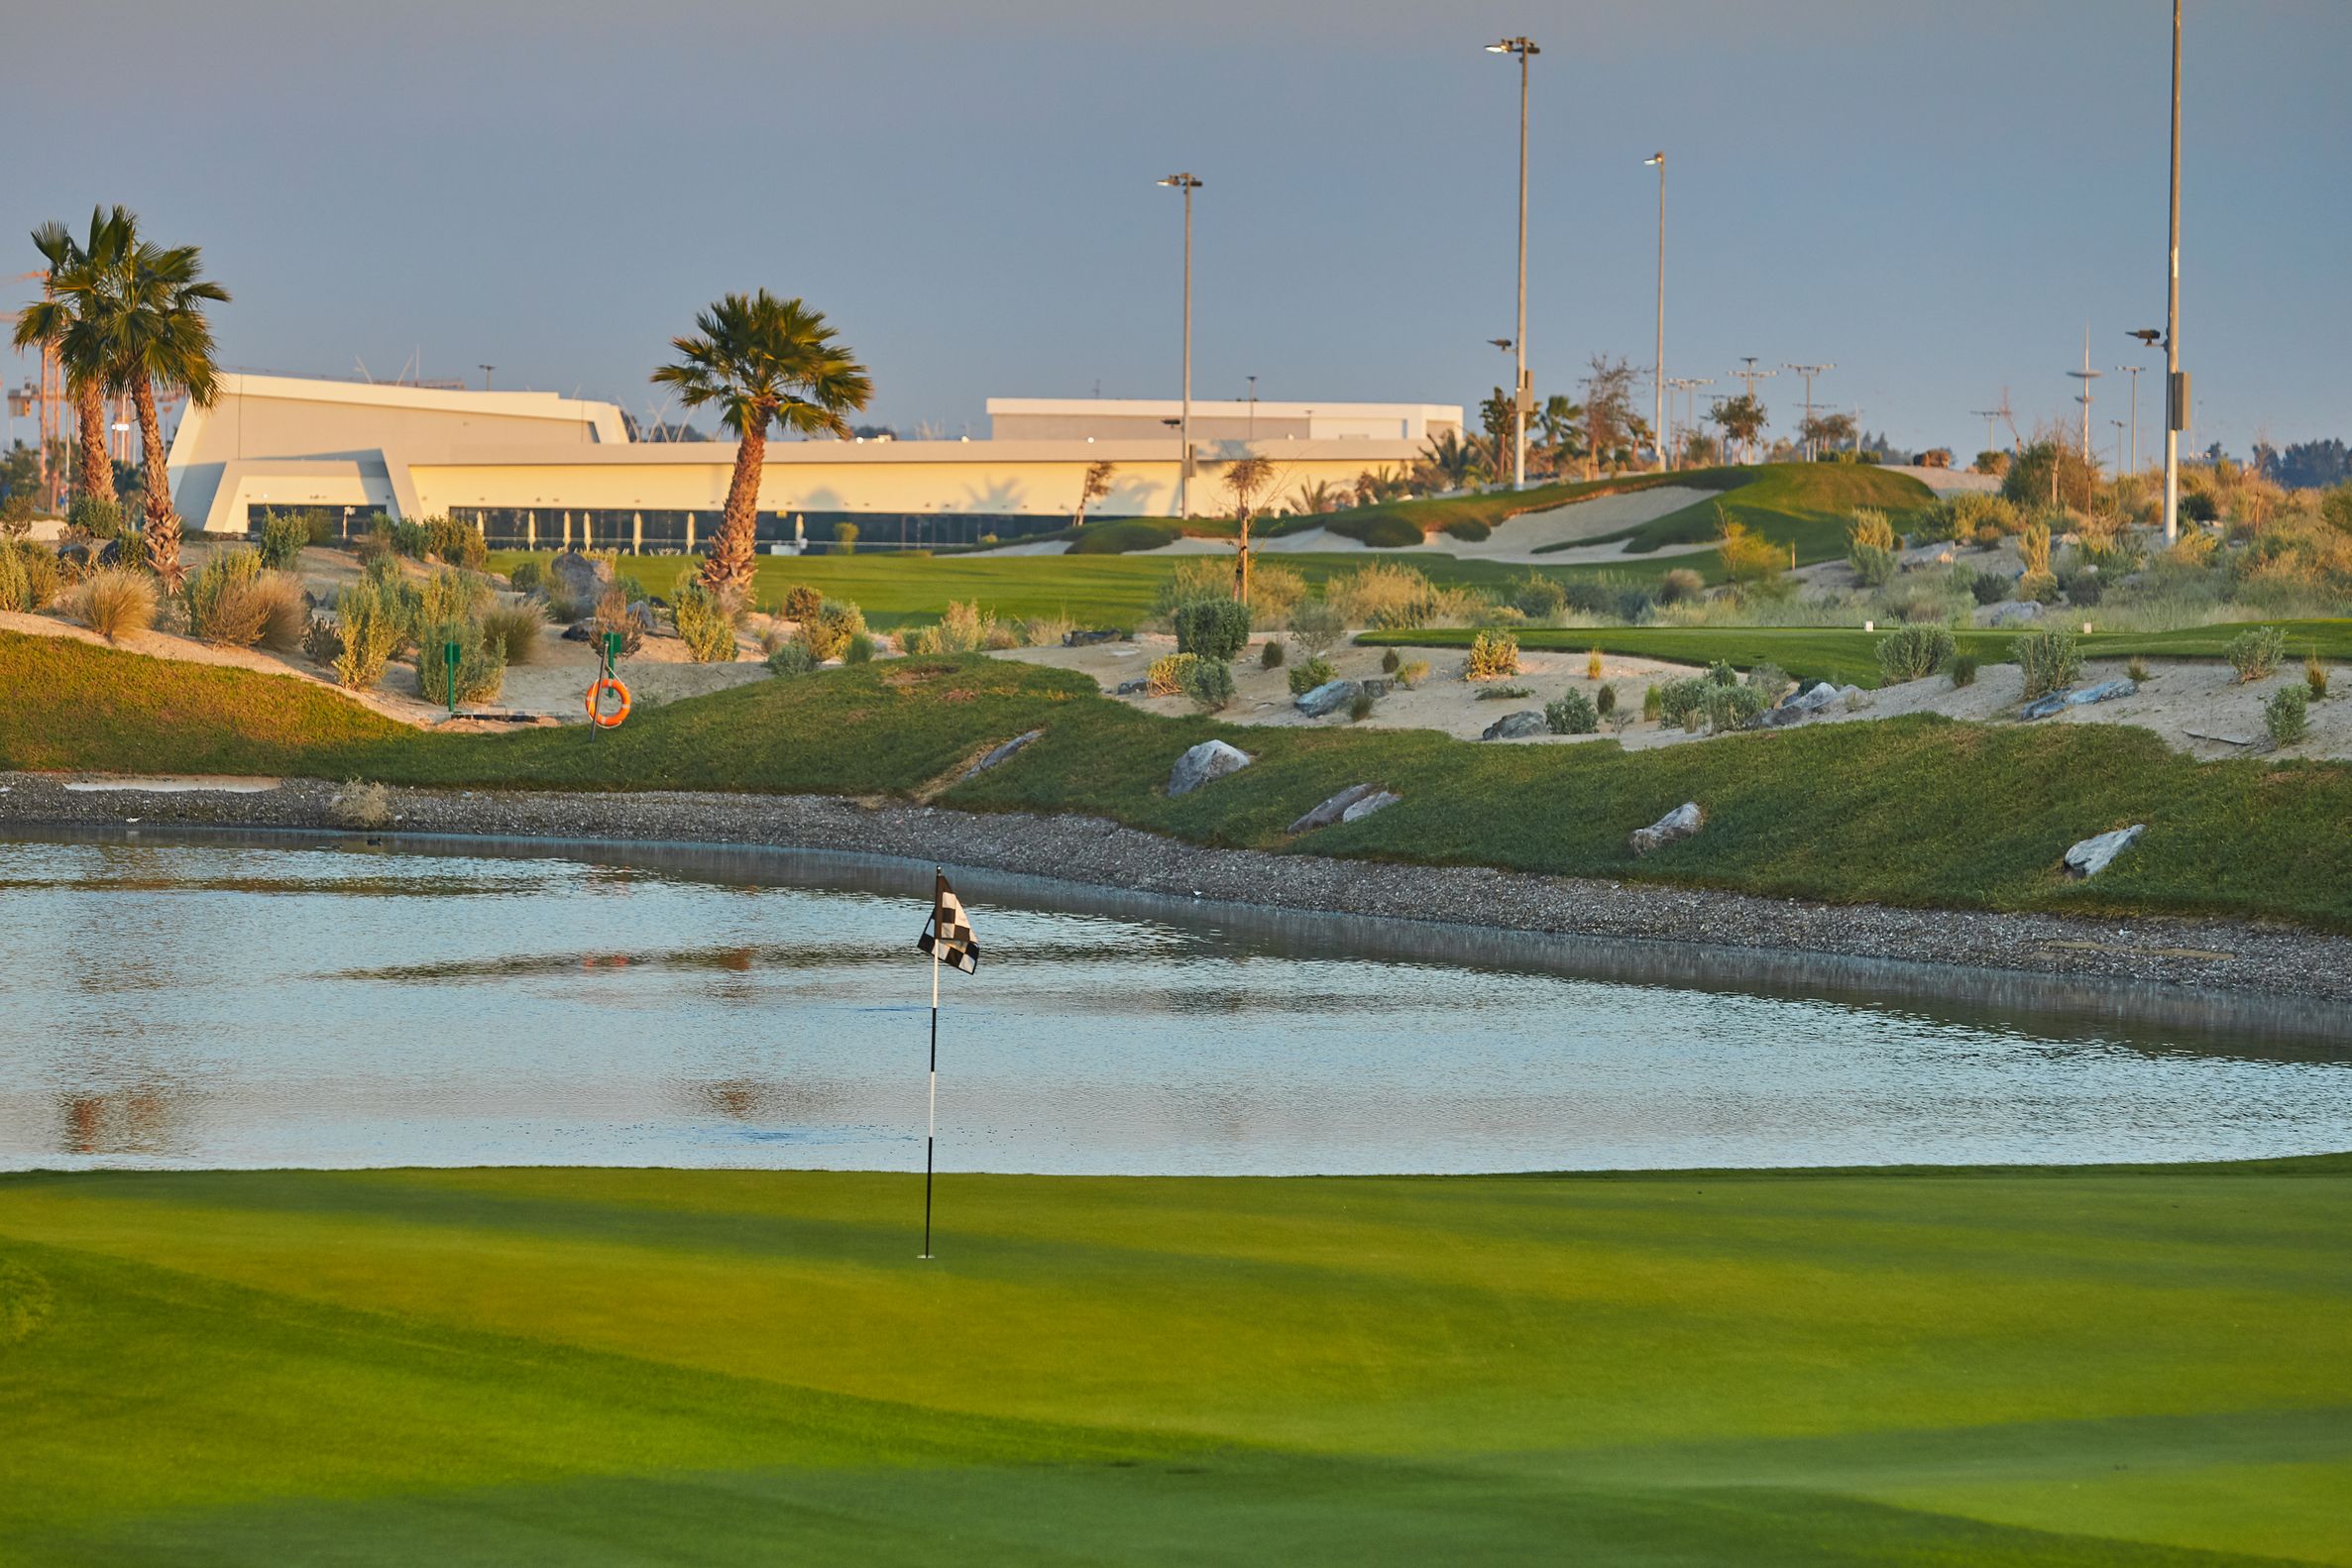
x: 219, y: 600
x: 1870, y: 546
x: 1605, y: 700
x: 828, y: 632
x: 2255, y: 653
x: 1592, y: 664
x: 1411, y: 673
x: 1361, y: 705
x: 1048, y: 632
x: 526, y: 577
x: 1307, y: 674
x: 28, y: 575
x: 452, y: 594
x: 409, y: 539
x: 1539, y: 598
x: 2315, y: 676
x: 321, y: 642
x: 1390, y: 661
x: 961, y: 628
x: 1680, y: 586
x: 1913, y: 653
x: 361, y: 805
x: 457, y: 543
x: 1721, y: 673
x: 372, y: 621
x: 1507, y: 693
x: 1215, y: 628
x: 1316, y: 628
x: 1989, y: 588
x: 1166, y: 677
x: 1573, y: 715
x: 706, y: 622
x: 2136, y: 671
x: 1274, y: 591
x: 1961, y: 667
x: 481, y: 661
x: 792, y: 659
x: 1209, y: 684
x: 859, y: 649
x: 1730, y: 707
x: 2050, y: 661
x: 1270, y: 658
x: 1002, y: 634
x: 801, y: 603
x: 282, y: 538
x: 2286, y: 715
x: 1492, y: 654
x: 517, y: 629
x: 1771, y: 679
x: 1386, y: 597
x: 114, y: 603
x: 1679, y: 701
x: 1749, y: 559
x: 1653, y: 706
x: 91, y: 518
x: 285, y: 611
x: 1194, y: 577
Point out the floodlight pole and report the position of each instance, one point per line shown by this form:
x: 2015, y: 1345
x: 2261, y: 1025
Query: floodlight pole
x: 2176, y: 385
x: 2133, y: 370
x: 1187, y: 184
x: 1809, y: 372
x: 1657, y: 370
x: 1525, y: 49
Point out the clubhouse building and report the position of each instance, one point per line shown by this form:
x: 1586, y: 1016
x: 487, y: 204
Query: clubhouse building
x: 539, y: 470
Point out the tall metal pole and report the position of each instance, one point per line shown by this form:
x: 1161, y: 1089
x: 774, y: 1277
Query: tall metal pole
x: 1657, y: 373
x: 1518, y: 385
x: 1187, y: 184
x: 2133, y: 370
x: 2175, y: 393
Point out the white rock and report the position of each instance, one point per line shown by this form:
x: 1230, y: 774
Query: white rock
x: 1205, y: 762
x: 1367, y: 805
x: 2093, y: 855
x: 1679, y: 824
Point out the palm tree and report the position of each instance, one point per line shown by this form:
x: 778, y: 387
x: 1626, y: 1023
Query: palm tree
x: 1248, y: 480
x: 1457, y: 463
x: 1559, y: 427
x: 76, y: 270
x: 149, y: 313
x: 1317, y: 498
x: 763, y: 360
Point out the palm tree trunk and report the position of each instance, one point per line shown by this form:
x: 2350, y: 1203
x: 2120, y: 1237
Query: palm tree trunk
x: 729, y: 567
x: 97, y: 467
x: 163, y: 523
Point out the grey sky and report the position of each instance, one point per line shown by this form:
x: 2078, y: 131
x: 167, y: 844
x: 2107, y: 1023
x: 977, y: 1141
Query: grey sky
x: 1935, y: 195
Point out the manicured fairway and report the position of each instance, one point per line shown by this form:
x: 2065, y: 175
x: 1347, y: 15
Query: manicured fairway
x: 592, y: 1367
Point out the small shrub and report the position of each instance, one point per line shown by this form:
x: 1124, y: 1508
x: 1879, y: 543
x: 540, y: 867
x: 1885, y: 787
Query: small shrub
x: 1412, y: 673
x: 1360, y: 707
x: 2039, y: 586
x: 283, y: 536
x: 1653, y: 706
x: 1912, y: 653
x: 1210, y: 683
x: 1681, y: 702
x: 1989, y: 588
x: 92, y: 519
x: 2050, y: 659
x: 1874, y: 567
x: 828, y: 632
x: 114, y: 603
x: 2315, y: 676
x: 2137, y: 671
x: 33, y: 573
x: 1604, y: 700
x: 220, y: 601
x: 1166, y: 677
x: 1308, y: 674
x: 526, y: 577
x: 481, y: 661
x: 1389, y: 597
x: 792, y: 659
x: 1048, y: 631
x: 1390, y: 661
x: 1730, y: 707
x: 372, y: 621
x: 2033, y: 546
x: 1316, y: 628
x: 516, y: 629
x: 2082, y: 586
x: 613, y: 616
x: 1680, y: 586
x: 321, y: 642
x: 859, y: 649
x: 1721, y: 673
x: 1592, y: 664
x: 2255, y: 655
x: 452, y: 594
x: 1491, y: 654
x: 1573, y: 715
x: 961, y: 628
x: 456, y: 543
x: 1508, y: 693
x: 1961, y: 667
x: 2286, y: 715
x: 706, y: 622
x: 1539, y: 598
x: 1215, y: 628
x: 1000, y: 634
x: 1771, y: 679
x: 285, y: 614
x: 1270, y: 658
x: 409, y: 538
x: 845, y: 538
x: 358, y: 805
x: 801, y: 603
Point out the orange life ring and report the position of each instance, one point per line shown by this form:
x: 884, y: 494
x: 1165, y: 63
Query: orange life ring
x: 596, y: 701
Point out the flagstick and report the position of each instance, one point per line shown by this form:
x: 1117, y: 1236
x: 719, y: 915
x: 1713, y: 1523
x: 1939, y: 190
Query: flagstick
x: 931, y: 1132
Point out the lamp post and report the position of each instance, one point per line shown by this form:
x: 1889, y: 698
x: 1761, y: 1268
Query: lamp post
x: 1657, y: 370
x: 1187, y: 184
x: 1809, y: 372
x: 1526, y: 48
x: 2175, y: 400
x: 2133, y: 370
x: 2085, y: 376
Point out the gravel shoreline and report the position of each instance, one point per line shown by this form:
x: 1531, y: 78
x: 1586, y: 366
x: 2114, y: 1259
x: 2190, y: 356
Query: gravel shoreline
x: 2221, y: 956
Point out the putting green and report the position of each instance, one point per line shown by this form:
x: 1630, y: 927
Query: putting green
x: 588, y: 1367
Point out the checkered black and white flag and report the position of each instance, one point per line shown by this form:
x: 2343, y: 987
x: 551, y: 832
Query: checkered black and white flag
x: 948, y: 935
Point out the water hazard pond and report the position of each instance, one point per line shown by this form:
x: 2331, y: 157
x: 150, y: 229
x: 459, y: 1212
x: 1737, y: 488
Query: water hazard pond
x: 298, y: 1001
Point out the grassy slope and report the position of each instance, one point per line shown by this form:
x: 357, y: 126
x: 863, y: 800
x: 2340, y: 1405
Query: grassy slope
x: 1806, y: 504
x: 1912, y: 810
x: 585, y: 1368
x: 1850, y: 654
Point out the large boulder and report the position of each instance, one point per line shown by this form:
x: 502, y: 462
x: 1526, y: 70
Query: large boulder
x: 1330, y: 811
x: 1087, y: 637
x: 1800, y: 705
x: 2014, y: 612
x: 1204, y: 763
x: 1328, y: 697
x: 1515, y: 726
x: 1679, y: 824
x: 1003, y: 753
x: 1379, y: 801
x: 2104, y: 691
x: 575, y: 577
x: 2094, y: 856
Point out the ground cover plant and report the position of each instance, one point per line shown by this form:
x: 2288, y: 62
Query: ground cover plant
x: 1805, y: 812
x: 587, y: 1368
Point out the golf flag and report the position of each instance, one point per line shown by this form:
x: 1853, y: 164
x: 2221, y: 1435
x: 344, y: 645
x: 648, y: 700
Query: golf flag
x: 948, y: 935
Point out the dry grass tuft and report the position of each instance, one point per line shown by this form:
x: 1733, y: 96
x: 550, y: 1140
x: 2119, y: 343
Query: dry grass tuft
x: 115, y: 603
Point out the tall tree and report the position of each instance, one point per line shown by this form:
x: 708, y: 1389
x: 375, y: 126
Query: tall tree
x: 1559, y: 431
x: 1741, y: 418
x: 150, y: 313
x: 1612, y: 428
x: 1094, y: 487
x: 762, y: 361
x: 1825, y: 432
x: 78, y: 269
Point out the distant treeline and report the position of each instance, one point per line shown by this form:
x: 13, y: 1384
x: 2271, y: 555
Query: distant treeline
x: 2307, y: 465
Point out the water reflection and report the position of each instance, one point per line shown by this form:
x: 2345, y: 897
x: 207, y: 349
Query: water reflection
x: 233, y: 1000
